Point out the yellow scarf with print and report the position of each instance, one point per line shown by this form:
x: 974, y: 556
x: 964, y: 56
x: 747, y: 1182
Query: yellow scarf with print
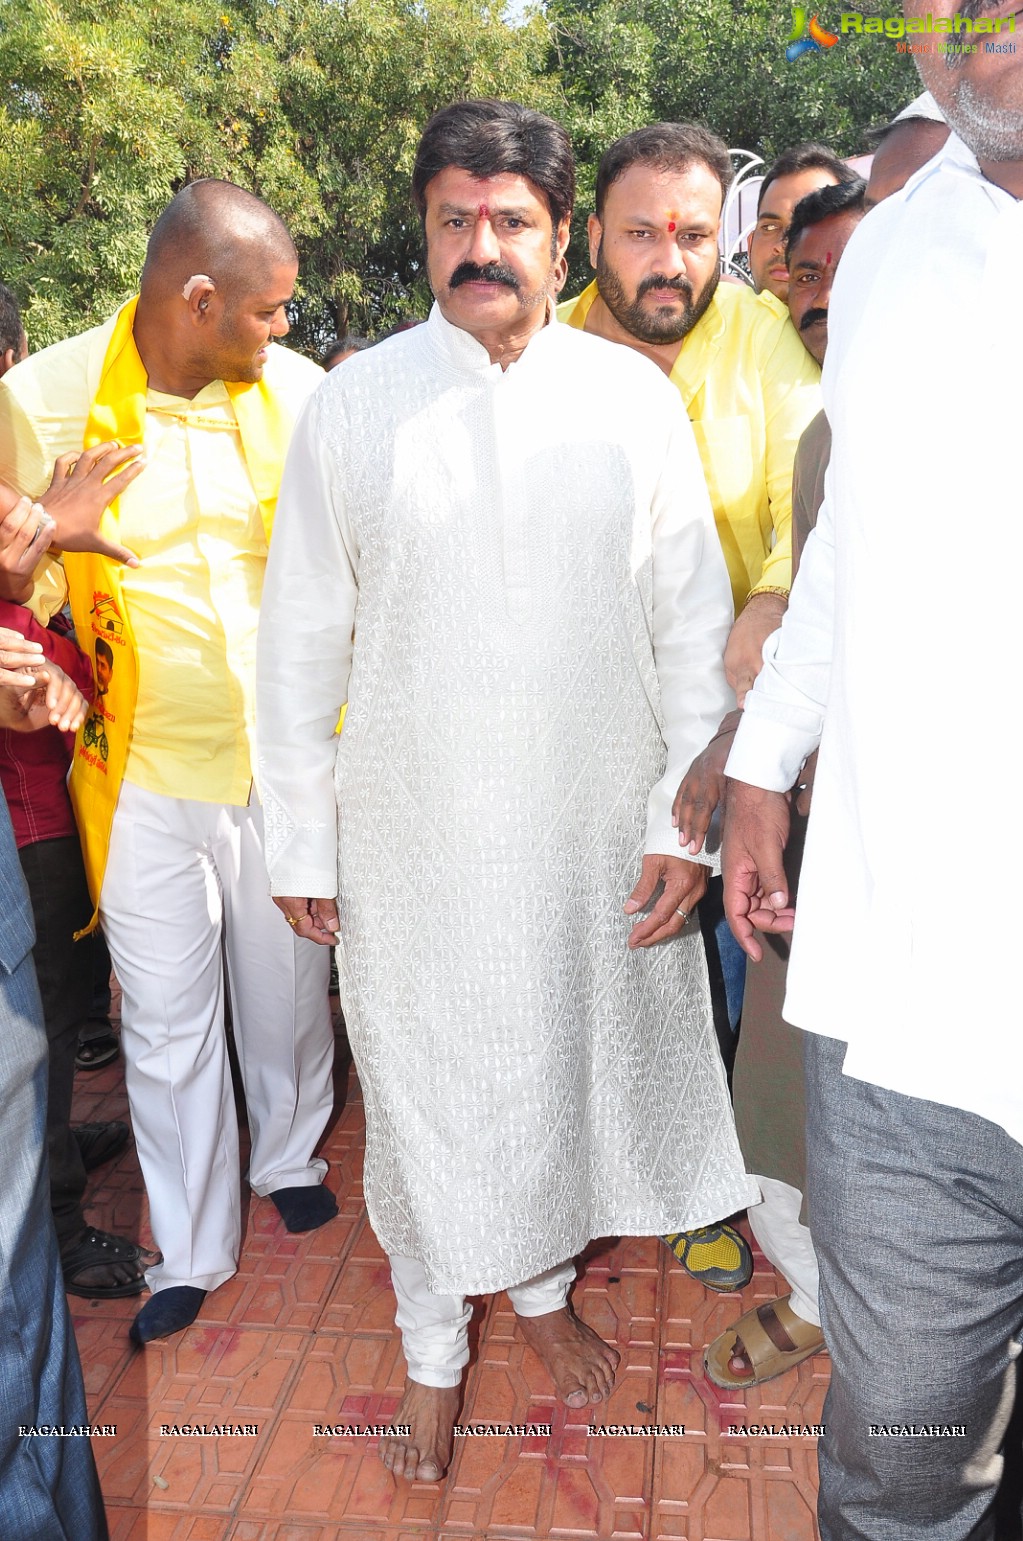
x: 94, y: 582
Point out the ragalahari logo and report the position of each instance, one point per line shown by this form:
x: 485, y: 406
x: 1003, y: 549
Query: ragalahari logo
x: 800, y: 42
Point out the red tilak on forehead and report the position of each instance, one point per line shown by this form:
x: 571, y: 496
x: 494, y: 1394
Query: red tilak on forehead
x: 671, y: 224
x: 483, y: 211
x: 827, y: 259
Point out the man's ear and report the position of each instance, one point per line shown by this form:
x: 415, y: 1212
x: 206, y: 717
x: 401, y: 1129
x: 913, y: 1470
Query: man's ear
x: 594, y: 232
x: 8, y: 359
x: 561, y: 239
x: 197, y: 293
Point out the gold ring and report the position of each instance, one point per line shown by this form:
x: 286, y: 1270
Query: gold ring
x: 291, y: 920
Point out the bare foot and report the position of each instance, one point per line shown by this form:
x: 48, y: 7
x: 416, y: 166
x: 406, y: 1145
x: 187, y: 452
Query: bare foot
x: 423, y: 1454
x: 581, y: 1365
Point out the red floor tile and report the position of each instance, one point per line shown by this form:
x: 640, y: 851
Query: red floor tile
x: 304, y: 1336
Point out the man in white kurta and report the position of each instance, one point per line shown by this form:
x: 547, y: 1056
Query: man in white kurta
x: 898, y: 655
x: 511, y: 576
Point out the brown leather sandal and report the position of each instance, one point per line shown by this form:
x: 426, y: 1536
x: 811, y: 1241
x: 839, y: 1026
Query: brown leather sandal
x: 756, y: 1335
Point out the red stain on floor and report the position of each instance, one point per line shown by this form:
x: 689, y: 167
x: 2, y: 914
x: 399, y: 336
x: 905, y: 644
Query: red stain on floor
x: 303, y: 1336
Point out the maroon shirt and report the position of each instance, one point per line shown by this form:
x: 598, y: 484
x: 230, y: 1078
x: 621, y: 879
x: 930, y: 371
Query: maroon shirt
x: 34, y: 766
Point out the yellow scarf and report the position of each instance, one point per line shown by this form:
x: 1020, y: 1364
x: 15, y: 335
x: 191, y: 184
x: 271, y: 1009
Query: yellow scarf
x: 94, y: 582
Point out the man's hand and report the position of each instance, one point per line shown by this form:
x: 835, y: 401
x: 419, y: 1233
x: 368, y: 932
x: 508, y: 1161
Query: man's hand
x: 756, y: 828
x: 685, y: 883
x: 744, y: 651
x: 26, y: 531
x: 35, y: 693
x: 79, y: 492
x: 20, y: 660
x: 316, y: 919
x: 702, y: 788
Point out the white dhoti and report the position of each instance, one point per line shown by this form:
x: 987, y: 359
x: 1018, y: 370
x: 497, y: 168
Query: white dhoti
x: 184, y: 901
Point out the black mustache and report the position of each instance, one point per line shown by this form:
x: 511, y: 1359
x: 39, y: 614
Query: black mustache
x: 658, y: 281
x: 811, y: 317
x: 493, y: 273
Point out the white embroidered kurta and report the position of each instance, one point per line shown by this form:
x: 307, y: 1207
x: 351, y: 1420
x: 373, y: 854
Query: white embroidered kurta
x: 513, y: 580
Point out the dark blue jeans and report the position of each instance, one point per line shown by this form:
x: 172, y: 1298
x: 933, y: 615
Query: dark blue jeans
x: 49, y: 1490
x: 726, y: 963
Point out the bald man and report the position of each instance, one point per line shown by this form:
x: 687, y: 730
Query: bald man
x: 162, y: 774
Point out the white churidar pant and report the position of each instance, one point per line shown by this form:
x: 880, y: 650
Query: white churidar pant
x: 435, y: 1328
x: 786, y: 1244
x: 185, y: 892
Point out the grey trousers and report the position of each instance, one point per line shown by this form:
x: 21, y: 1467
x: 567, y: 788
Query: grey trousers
x: 916, y: 1212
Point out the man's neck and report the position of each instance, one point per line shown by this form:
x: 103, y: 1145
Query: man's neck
x: 1005, y: 174
x: 504, y: 348
x: 602, y: 323
x: 166, y: 373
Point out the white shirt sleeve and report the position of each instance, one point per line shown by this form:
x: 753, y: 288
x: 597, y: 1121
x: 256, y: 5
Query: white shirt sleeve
x: 783, y: 716
x: 303, y: 663
x: 692, y: 615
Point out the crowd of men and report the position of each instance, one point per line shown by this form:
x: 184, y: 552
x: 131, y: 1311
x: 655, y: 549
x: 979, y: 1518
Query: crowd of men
x: 539, y: 556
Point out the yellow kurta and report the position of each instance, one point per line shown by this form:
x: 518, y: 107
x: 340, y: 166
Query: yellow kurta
x: 750, y: 388
x: 193, y: 519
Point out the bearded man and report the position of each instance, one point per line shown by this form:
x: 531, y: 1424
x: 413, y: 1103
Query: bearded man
x: 497, y: 547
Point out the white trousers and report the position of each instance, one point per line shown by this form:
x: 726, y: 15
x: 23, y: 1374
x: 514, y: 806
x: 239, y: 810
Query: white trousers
x: 435, y: 1328
x: 785, y: 1242
x: 185, y: 892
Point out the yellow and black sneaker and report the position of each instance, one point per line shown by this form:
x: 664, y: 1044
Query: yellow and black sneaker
x: 716, y: 1255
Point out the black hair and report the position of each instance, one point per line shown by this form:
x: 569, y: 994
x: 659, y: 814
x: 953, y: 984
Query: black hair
x: 104, y: 650
x: 843, y: 198
x: 11, y: 329
x: 664, y: 147
x: 810, y: 156
x: 488, y: 138
x: 347, y: 344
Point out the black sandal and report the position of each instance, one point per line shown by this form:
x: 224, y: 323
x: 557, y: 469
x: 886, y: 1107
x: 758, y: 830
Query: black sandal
x: 94, y: 1053
x: 92, y: 1250
x: 99, y: 1143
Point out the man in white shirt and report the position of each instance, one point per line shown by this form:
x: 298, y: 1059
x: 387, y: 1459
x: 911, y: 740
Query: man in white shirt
x: 497, y: 545
x: 914, y: 1066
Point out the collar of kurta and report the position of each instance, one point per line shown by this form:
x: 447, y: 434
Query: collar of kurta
x: 956, y: 157
x: 461, y: 349
x: 118, y: 413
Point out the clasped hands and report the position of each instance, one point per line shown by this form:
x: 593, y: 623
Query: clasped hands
x: 34, y: 692
x: 315, y: 919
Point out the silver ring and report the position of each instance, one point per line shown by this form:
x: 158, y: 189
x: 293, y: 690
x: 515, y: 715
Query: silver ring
x: 683, y: 913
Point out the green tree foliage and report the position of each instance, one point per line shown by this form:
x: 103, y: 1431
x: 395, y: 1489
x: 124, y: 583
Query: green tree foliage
x: 107, y: 108
x: 721, y: 62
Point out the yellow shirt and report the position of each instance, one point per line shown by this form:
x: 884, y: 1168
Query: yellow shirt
x: 193, y: 520
x: 750, y: 388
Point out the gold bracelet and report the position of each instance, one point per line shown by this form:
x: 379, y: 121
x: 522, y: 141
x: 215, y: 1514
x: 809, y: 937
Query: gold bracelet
x: 766, y: 590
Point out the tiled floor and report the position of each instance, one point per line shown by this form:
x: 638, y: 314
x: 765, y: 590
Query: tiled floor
x: 304, y: 1335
